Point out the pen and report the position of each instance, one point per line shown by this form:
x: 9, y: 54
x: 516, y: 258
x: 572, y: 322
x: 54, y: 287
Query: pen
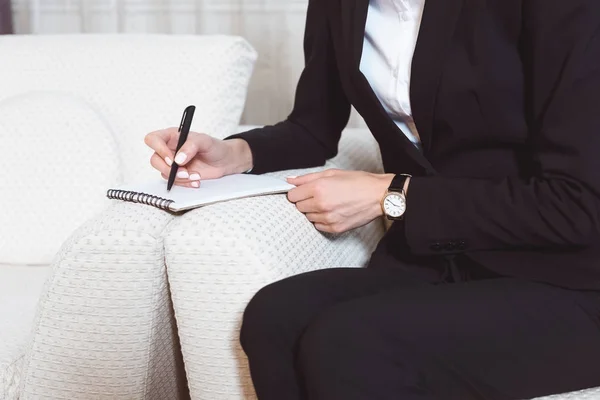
x: 184, y: 130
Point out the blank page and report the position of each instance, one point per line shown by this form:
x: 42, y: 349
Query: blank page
x: 212, y: 191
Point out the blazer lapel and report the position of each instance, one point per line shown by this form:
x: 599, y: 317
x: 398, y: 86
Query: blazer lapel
x: 358, y: 18
x: 437, y: 26
x: 354, y: 16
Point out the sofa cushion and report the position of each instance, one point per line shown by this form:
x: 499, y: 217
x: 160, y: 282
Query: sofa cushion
x: 20, y: 289
x: 138, y: 83
x: 104, y: 328
x: 59, y: 157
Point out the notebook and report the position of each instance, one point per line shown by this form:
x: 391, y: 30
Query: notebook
x: 154, y: 193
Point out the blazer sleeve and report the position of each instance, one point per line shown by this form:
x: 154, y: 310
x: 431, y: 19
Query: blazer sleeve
x: 558, y: 208
x: 310, y: 135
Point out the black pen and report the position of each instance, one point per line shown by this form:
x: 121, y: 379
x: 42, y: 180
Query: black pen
x: 184, y: 130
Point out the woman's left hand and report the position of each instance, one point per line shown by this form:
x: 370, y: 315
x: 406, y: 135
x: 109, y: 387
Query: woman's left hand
x: 337, y: 201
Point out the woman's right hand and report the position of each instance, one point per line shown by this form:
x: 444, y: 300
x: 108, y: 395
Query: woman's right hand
x: 201, y: 156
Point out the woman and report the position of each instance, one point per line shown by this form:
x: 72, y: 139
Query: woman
x: 486, y: 286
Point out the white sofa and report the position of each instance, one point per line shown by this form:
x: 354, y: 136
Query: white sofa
x: 73, y: 114
x: 137, y: 303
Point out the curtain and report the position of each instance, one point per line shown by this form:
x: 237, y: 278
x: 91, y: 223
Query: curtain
x: 6, y: 25
x: 274, y: 27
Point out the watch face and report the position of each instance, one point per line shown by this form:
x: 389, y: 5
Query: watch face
x: 394, y: 205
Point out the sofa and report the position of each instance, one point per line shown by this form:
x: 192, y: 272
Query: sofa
x: 102, y: 299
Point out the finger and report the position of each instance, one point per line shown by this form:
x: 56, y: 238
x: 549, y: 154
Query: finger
x: 166, y: 134
x: 322, y: 218
x: 323, y: 227
x: 158, y: 163
x: 304, y: 179
x: 301, y: 193
x: 316, y: 217
x: 333, y: 229
x: 197, y: 143
x: 184, y: 182
x: 308, y: 206
x: 200, y: 170
x: 194, y: 176
x: 178, y: 181
x: 157, y: 141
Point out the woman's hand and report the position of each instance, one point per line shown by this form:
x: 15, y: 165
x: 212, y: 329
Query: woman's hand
x: 337, y: 201
x: 201, y: 156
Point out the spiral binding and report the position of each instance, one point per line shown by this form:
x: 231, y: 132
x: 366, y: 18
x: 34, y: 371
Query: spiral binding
x: 137, y: 197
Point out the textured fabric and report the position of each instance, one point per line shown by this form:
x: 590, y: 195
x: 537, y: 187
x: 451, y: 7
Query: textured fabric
x: 219, y: 256
x: 55, y: 175
x: 357, y: 150
x: 87, y: 85
x: 136, y: 83
x: 387, y: 63
x: 20, y: 288
x: 589, y: 394
x: 104, y: 328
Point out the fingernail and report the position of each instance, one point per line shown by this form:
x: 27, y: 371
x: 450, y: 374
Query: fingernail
x: 292, y: 177
x: 180, y: 158
x: 182, y: 174
x: 168, y: 161
x: 195, y: 184
x: 195, y: 177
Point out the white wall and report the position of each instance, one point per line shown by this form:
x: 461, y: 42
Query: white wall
x: 274, y: 27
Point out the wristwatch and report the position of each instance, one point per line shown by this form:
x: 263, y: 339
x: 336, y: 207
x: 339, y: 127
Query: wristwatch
x: 394, y: 201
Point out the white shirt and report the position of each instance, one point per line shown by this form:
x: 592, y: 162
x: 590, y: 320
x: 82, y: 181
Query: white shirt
x: 390, y: 39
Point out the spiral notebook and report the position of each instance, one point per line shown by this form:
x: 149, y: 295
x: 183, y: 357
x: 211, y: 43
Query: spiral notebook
x: 211, y: 191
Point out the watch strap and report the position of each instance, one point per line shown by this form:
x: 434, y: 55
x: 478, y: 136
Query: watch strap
x: 398, y: 182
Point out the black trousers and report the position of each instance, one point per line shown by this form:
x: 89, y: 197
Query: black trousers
x: 419, y: 330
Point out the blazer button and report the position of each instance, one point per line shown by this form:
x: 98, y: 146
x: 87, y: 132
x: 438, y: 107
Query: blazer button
x: 437, y: 246
x: 462, y: 245
x: 450, y: 246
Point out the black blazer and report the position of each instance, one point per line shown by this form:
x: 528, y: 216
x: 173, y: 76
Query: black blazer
x: 506, y: 98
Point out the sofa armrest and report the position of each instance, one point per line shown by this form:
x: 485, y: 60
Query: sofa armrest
x: 586, y: 394
x: 219, y: 256
x: 358, y: 150
x: 104, y: 328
